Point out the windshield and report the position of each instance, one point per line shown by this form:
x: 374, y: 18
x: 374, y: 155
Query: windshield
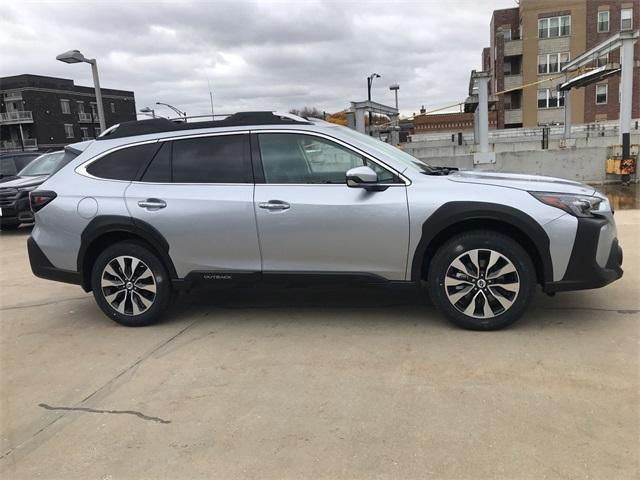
x: 394, y: 152
x: 43, y: 165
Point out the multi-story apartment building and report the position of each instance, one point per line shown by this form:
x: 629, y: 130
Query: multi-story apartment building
x: 42, y: 113
x: 532, y: 42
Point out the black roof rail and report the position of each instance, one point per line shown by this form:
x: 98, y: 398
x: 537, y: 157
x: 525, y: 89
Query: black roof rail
x: 159, y: 125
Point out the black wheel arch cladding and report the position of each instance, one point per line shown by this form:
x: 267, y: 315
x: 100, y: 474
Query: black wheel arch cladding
x: 441, y: 225
x: 108, y: 225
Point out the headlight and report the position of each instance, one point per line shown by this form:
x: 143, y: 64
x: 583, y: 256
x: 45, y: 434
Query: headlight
x: 576, y: 205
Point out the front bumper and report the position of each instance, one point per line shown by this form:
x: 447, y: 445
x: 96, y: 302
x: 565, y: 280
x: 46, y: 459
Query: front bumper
x: 43, y: 268
x: 596, y: 258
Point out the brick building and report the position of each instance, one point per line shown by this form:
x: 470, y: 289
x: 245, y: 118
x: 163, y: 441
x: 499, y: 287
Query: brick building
x: 533, y: 41
x: 43, y: 113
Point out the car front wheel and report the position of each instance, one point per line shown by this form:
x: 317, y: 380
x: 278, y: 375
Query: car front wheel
x: 481, y: 280
x: 130, y: 284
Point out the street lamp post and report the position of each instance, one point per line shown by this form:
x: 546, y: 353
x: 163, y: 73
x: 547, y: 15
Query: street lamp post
x: 74, y: 56
x: 178, y: 111
x: 369, y: 84
x: 396, y: 127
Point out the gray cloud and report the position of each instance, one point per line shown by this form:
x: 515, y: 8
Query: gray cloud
x: 257, y: 55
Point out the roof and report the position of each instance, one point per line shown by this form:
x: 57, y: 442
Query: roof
x: 160, y: 125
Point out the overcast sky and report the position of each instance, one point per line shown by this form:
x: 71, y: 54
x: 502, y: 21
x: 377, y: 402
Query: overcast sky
x: 267, y: 55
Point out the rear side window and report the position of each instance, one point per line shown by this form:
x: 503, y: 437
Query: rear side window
x: 123, y: 164
x: 159, y: 170
x: 219, y: 159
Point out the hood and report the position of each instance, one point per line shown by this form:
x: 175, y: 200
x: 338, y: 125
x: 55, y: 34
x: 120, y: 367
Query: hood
x: 534, y: 183
x: 19, y: 182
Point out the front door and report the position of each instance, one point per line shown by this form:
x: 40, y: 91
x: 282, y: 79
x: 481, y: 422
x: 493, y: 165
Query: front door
x: 309, y: 221
x: 198, y: 193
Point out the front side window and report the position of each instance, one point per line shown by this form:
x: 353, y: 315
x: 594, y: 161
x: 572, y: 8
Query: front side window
x: 306, y: 159
x: 626, y: 19
x: 123, y: 164
x: 603, y: 21
x: 65, y: 106
x: 601, y: 93
x: 217, y: 159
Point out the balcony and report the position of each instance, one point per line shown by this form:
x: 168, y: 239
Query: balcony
x: 17, y: 116
x: 513, y: 116
x: 14, y: 145
x: 512, y: 81
x: 512, y: 47
x: 84, y: 117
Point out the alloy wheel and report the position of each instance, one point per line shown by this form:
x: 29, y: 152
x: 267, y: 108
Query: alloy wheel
x: 482, y: 283
x: 128, y: 285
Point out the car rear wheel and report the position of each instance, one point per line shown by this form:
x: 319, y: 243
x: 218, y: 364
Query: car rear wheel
x: 130, y: 284
x: 481, y: 280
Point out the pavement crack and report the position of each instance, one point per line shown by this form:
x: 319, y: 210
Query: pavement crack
x: 98, y: 410
x: 105, y: 386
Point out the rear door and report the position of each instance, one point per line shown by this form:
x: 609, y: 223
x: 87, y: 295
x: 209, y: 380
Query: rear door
x: 198, y: 193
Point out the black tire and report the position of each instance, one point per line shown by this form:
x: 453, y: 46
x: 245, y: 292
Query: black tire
x: 139, y: 292
x: 452, y: 298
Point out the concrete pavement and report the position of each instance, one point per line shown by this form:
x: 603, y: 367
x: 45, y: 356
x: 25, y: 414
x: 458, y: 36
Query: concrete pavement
x: 319, y: 383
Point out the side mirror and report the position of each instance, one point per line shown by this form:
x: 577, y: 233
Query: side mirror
x: 362, y: 177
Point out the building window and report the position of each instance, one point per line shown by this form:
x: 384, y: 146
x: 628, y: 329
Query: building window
x: 565, y: 25
x: 626, y: 19
x: 65, y: 106
x: 554, y: 27
x: 550, y: 98
x: 68, y: 130
x: 602, y: 91
x: 543, y: 28
x: 603, y: 60
x: 98, y: 131
x: 113, y: 107
x: 552, y: 62
x: 603, y: 21
x: 506, y: 33
x: 84, y: 132
x: 80, y: 107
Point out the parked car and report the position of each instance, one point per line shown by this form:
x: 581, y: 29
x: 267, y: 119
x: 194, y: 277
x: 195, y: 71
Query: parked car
x: 153, y: 206
x: 11, y: 163
x: 14, y: 190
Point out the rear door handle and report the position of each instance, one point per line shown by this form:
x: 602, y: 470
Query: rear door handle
x: 274, y: 205
x: 152, y: 203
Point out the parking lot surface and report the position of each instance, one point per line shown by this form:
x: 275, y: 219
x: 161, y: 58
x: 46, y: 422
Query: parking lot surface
x: 353, y: 383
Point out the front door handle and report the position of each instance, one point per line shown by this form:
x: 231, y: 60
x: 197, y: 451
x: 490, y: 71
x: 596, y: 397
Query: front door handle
x: 274, y: 205
x: 152, y: 203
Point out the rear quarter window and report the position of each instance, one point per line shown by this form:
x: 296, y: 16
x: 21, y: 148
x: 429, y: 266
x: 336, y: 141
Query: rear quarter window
x: 217, y: 159
x: 123, y: 164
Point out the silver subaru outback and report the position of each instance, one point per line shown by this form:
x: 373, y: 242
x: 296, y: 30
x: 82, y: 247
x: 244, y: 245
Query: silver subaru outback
x: 153, y: 206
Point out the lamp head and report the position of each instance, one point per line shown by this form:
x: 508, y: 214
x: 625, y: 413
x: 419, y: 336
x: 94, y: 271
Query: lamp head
x: 71, y: 56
